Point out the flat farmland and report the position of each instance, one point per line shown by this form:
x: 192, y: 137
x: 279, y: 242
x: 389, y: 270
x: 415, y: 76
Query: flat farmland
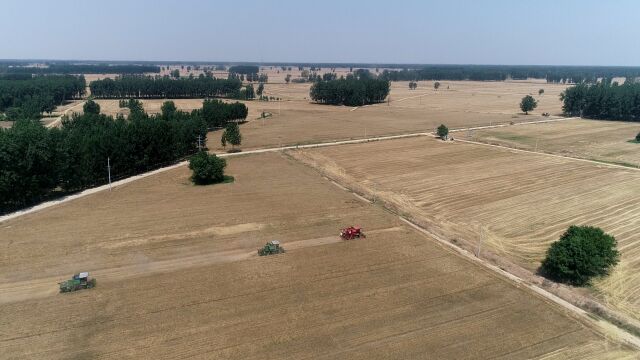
x: 520, y: 202
x: 178, y: 277
x: 607, y: 141
x: 296, y: 120
x: 151, y: 106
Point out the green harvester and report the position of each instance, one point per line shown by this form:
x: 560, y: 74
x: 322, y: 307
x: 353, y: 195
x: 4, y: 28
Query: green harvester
x: 271, y: 248
x: 77, y: 282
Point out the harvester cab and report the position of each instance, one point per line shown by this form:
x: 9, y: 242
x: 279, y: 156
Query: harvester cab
x: 271, y: 248
x: 78, y: 281
x: 352, y: 232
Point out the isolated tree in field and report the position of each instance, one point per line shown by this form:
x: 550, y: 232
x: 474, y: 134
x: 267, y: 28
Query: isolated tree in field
x: 413, y: 85
x: 207, y: 168
x: 260, y: 89
x: 443, y: 131
x: 528, y: 103
x: 287, y: 78
x: 232, y: 135
x: 583, y: 252
x: 638, y: 138
x: 168, y: 108
x: 436, y: 85
x: 541, y: 91
x: 91, y: 107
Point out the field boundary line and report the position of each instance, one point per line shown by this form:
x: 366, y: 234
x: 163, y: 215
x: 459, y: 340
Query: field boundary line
x: 531, y: 122
x: 94, y: 190
x: 594, y: 162
x: 607, y: 324
x: 124, y: 181
x: 604, y: 329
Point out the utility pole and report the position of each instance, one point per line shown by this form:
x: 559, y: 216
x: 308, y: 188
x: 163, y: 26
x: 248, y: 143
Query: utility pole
x: 109, y: 171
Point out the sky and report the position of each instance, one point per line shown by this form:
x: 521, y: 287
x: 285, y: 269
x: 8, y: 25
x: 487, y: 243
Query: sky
x: 534, y: 32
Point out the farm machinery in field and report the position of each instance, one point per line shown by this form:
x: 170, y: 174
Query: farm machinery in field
x: 352, y: 232
x: 77, y: 282
x: 271, y: 248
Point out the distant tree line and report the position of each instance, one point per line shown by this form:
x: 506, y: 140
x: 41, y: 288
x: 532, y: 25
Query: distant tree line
x: 263, y: 78
x: 83, y: 69
x: 553, y: 74
x: 351, y: 91
x: 244, y: 69
x: 217, y: 113
x: 28, y: 98
x: 36, y: 162
x: 164, y: 87
x: 604, y: 100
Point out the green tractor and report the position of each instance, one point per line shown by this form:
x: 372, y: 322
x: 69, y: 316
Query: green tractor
x: 271, y: 248
x: 77, y: 282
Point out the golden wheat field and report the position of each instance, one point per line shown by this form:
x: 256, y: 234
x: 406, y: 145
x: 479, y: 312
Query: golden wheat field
x: 519, y: 202
x: 178, y: 276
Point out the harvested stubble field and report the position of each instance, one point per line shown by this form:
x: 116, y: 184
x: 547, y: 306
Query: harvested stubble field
x: 520, y: 201
x: 607, y: 141
x: 178, y: 277
x: 296, y: 120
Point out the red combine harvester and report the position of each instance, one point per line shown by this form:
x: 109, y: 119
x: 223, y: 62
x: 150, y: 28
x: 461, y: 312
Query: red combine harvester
x: 352, y: 232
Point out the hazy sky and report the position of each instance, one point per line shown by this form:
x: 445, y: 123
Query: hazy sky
x: 574, y: 32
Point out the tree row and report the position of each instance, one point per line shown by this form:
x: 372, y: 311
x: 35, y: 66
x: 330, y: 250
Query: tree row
x: 351, y: 91
x: 83, y: 69
x: 553, y: 74
x: 37, y: 162
x: 604, y: 100
x: 164, y: 87
x: 28, y: 98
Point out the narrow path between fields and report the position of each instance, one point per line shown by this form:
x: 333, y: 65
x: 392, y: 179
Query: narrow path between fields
x: 273, y: 149
x: 596, y: 162
x: 58, y: 120
x: 604, y: 327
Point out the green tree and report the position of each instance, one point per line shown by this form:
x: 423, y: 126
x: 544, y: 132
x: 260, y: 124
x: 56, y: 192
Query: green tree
x: 207, y: 168
x: 260, y: 89
x: 443, y: 131
x: 582, y: 253
x: 232, y: 135
x: 638, y: 137
x: 541, y: 91
x: 168, y: 108
x: 287, y: 78
x: 135, y: 108
x: 528, y: 103
x: 91, y: 107
x: 175, y: 73
x: 436, y: 85
x: 14, y: 113
x: 28, y: 159
x: 249, y: 92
